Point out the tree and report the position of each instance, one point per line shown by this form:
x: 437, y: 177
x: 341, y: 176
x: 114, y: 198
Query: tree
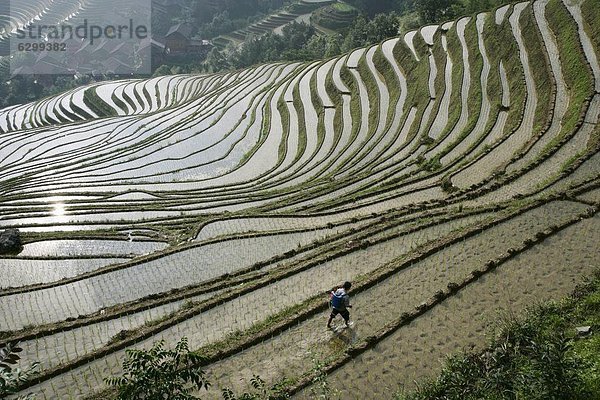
x: 383, y: 26
x: 163, y: 70
x: 11, y: 379
x: 159, y: 374
x: 372, y: 7
x: 364, y: 32
x: 296, y: 34
x: 221, y: 23
x: 323, y: 46
x: 435, y: 10
x: 216, y: 61
x: 476, y: 6
x: 333, y: 47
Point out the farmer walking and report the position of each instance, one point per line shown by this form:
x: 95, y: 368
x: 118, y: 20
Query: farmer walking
x: 340, y: 303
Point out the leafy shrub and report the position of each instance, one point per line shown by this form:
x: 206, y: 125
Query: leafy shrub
x: 11, y: 378
x: 160, y: 374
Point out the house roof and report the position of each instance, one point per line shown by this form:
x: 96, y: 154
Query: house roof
x: 84, y: 49
x: 183, y: 29
x: 154, y: 42
x: 123, y: 49
x: 44, y: 67
x: 116, y: 66
x: 25, y: 70
x: 106, y: 45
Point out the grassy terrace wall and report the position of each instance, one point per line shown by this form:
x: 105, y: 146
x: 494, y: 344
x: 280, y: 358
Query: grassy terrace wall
x: 537, y: 356
x: 501, y: 39
x: 576, y: 69
x: 540, y: 67
x: 455, y: 54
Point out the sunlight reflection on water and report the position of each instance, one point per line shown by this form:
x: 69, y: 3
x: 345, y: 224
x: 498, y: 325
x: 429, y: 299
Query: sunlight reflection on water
x: 59, y: 213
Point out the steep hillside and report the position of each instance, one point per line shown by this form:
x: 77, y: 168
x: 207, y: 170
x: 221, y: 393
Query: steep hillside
x: 449, y: 173
x: 300, y: 11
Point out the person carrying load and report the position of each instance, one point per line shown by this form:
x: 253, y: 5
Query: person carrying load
x: 339, y: 300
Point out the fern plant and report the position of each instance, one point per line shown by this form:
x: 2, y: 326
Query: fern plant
x: 12, y: 378
x: 159, y: 374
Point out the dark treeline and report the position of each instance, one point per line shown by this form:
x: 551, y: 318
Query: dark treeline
x: 300, y: 42
x: 442, y: 10
x: 27, y: 88
x: 205, y: 10
x: 377, y: 21
x: 371, y: 8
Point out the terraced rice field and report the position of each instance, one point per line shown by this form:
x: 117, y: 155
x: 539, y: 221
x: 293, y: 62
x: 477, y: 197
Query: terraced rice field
x: 300, y: 11
x: 18, y: 14
x: 450, y: 173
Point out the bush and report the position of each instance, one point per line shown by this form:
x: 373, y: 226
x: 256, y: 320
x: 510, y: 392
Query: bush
x: 11, y: 378
x: 160, y: 374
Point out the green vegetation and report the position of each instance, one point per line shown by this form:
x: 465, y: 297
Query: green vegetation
x: 319, y: 109
x: 540, y: 69
x: 217, y: 17
x: 475, y: 94
x: 357, y: 22
x: 501, y: 39
x: 298, y: 105
x: 373, y: 96
x: 538, y: 356
x: 418, y: 92
x: 26, y: 88
x: 494, y: 86
x: 337, y: 16
x: 594, y: 141
x: 591, y: 14
x: 97, y: 105
x: 275, y: 103
x: 371, y: 7
x: 11, y: 377
x: 431, y: 165
x: 301, y: 42
x: 160, y: 374
x: 476, y: 69
x: 575, y: 68
x: 429, y: 11
x: 259, y: 391
x: 439, y: 10
x: 455, y: 106
x: 343, y: 7
x: 440, y: 57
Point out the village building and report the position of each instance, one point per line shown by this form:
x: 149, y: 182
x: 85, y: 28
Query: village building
x: 179, y: 41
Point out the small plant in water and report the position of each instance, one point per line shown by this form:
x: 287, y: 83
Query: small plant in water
x: 260, y: 391
x: 320, y: 388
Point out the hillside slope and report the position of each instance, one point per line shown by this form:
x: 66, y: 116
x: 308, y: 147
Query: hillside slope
x: 449, y: 173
